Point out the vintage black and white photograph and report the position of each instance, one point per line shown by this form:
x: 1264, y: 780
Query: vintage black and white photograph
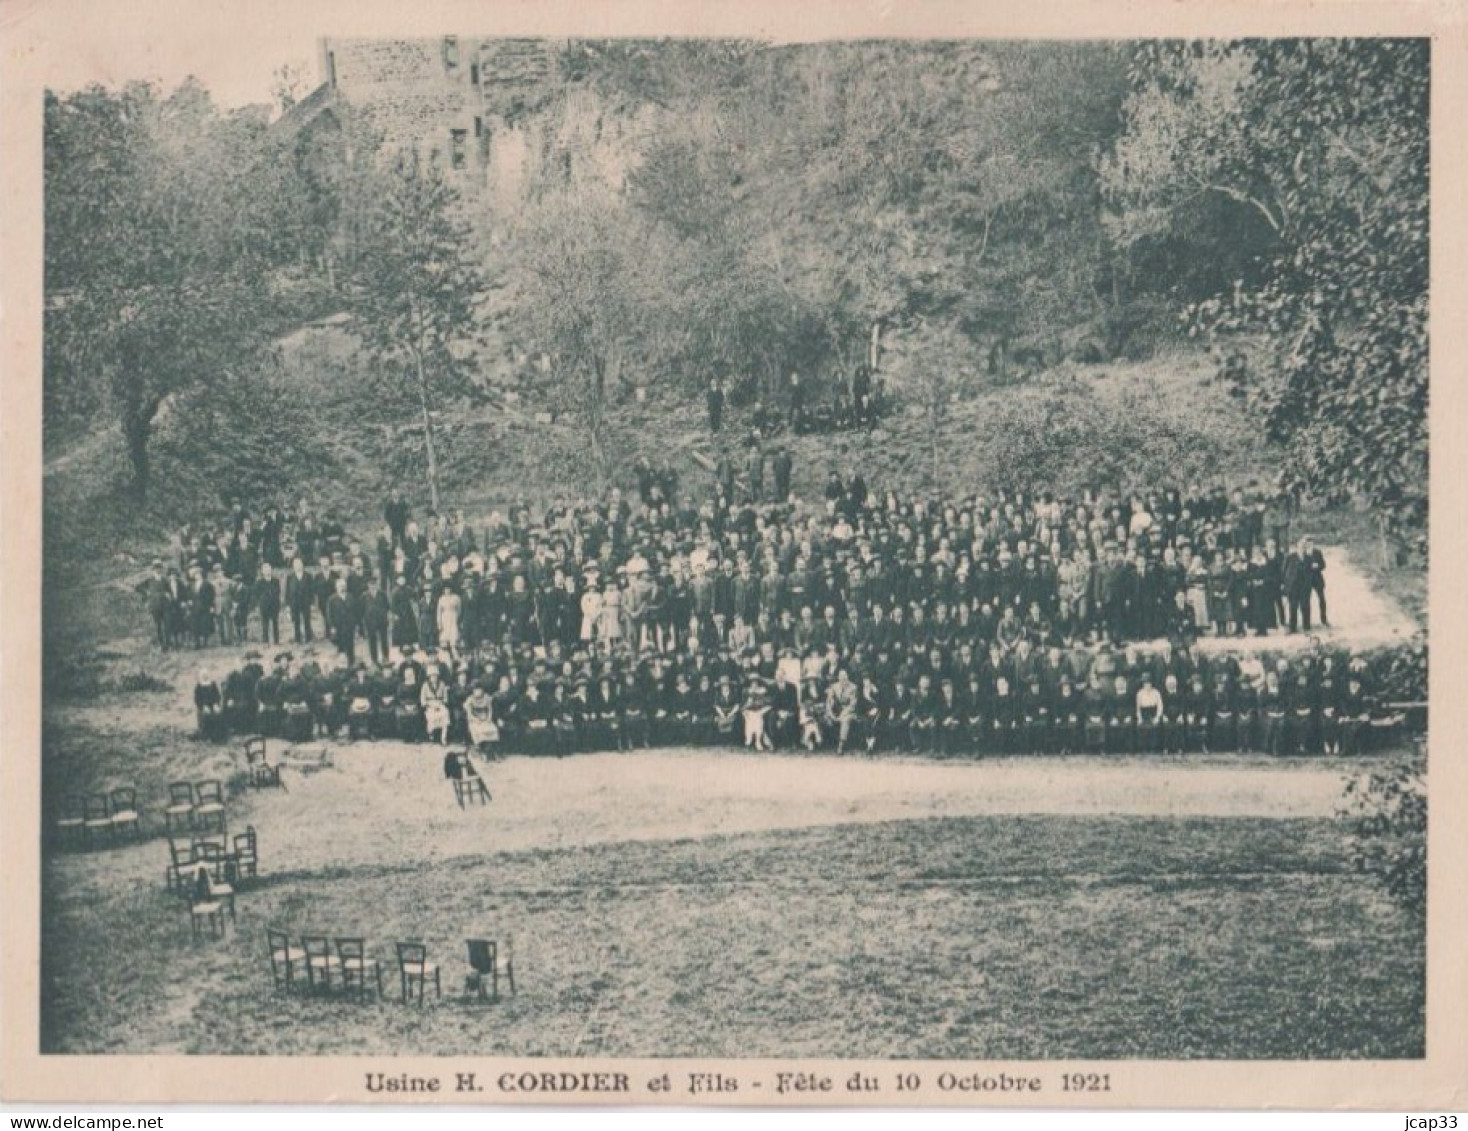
x: 878, y: 548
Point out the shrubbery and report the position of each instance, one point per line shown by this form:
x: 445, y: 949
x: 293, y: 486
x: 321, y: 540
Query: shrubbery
x: 1386, y: 810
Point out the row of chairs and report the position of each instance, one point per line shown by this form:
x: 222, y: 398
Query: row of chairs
x: 321, y: 964
x: 195, y: 805
x: 90, y: 819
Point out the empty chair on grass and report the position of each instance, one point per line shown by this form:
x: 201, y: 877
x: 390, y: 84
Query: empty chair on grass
x: 287, y: 961
x: 180, y: 865
x: 209, y: 805
x: 71, y: 825
x: 262, y: 771
x: 98, y: 818
x: 357, y: 968
x: 247, y: 854
x: 127, y: 818
x: 490, y: 960
x: 179, y: 813
x: 414, y: 971
x: 321, y: 961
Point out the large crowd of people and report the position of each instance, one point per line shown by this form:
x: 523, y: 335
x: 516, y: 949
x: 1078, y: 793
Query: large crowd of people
x: 866, y: 620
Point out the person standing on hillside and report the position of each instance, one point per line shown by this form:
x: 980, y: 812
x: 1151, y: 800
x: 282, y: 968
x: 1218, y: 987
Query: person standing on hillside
x: 1296, y: 579
x: 782, y: 466
x: 754, y: 472
x: 797, y: 403
x: 715, y: 397
x: 1314, y: 580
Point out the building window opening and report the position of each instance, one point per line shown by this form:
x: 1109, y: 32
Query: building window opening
x: 458, y: 139
x: 450, y: 52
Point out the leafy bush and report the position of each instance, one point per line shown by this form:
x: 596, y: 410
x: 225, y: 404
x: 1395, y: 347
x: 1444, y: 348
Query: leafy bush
x: 1064, y: 435
x: 140, y: 681
x: 1387, y: 814
x: 245, y: 435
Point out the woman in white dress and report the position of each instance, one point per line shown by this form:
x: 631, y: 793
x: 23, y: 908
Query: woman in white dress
x: 450, y: 605
x: 435, y: 702
x: 590, y: 613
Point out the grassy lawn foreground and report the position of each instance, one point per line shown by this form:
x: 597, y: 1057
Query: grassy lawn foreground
x: 1028, y: 937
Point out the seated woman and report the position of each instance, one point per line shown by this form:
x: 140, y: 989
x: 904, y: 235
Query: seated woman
x: 484, y: 731
x: 209, y: 708
x: 756, y: 707
x: 295, y: 694
x: 434, y: 699
x: 408, y: 707
x: 358, y: 695
x: 726, y: 710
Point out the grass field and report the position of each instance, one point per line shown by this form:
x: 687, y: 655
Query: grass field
x: 1029, y: 937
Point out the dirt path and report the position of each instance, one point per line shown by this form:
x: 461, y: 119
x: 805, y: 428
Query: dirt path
x: 386, y: 803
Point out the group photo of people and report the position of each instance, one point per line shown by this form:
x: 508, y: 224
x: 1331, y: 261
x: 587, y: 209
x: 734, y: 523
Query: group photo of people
x: 863, y: 620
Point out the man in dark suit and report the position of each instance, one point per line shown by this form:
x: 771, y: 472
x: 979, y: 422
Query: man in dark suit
x: 267, y: 600
x: 300, y: 591
x: 340, y: 624
x: 1296, y: 577
x: 155, y: 595
x: 1314, y: 562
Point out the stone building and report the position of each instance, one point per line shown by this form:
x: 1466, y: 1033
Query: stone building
x: 499, y: 115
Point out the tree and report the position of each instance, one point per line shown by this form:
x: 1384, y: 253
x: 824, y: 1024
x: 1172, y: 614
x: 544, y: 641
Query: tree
x: 592, y: 287
x: 416, y: 290
x: 157, y: 252
x: 1316, y: 152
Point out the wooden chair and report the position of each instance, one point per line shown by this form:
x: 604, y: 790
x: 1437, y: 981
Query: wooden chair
x: 180, y: 870
x: 415, y: 969
x: 286, y: 961
x: 246, y: 855
x: 205, y: 910
x: 209, y: 806
x: 356, y: 967
x: 211, y: 860
x: 180, y: 808
x: 320, y: 962
x: 471, y: 790
x: 97, y: 817
x: 489, y: 960
x: 262, y: 772
x: 126, y: 817
x: 71, y: 825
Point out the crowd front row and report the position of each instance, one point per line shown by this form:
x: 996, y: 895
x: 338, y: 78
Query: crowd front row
x: 1054, y: 702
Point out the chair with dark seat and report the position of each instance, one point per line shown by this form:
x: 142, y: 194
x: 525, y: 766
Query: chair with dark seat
x: 262, y: 772
x: 209, y: 806
x: 97, y: 822
x: 287, y: 961
x: 180, y: 809
x: 414, y: 969
x: 489, y: 960
x: 71, y: 825
x: 126, y: 816
x: 320, y: 962
x: 357, y: 968
x: 246, y: 855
